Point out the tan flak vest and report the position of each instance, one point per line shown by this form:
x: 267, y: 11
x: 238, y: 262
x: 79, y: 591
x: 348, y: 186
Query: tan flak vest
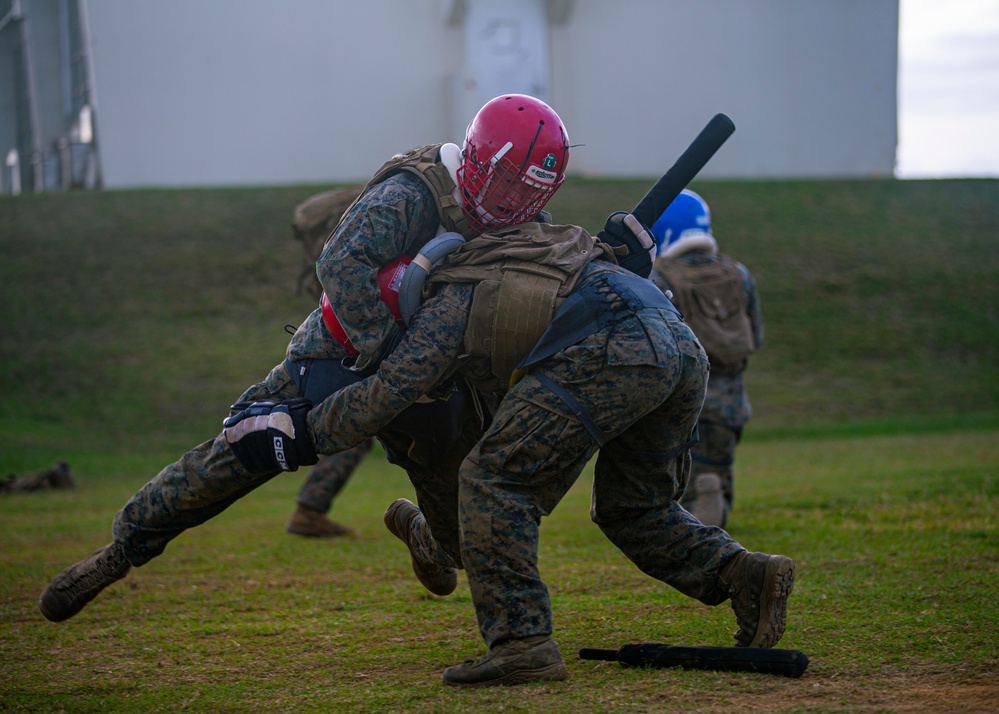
x: 424, y: 163
x: 522, y: 274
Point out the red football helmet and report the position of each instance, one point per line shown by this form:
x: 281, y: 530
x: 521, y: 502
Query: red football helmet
x: 389, y: 281
x: 513, y: 161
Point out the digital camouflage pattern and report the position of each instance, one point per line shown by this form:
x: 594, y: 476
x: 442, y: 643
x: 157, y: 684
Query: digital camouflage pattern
x: 641, y: 378
x: 726, y: 407
x: 395, y: 216
x: 203, y: 483
x: 536, y: 449
x: 312, y: 223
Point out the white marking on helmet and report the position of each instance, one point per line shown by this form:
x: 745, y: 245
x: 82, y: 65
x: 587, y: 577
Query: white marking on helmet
x: 501, y: 153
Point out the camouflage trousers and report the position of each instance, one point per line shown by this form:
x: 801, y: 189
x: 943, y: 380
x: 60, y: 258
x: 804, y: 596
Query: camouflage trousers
x: 714, y: 453
x: 536, y: 448
x: 209, y: 478
x: 436, y: 536
x: 203, y: 483
x: 328, y: 477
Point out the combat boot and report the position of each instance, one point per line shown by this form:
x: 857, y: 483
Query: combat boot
x: 438, y: 579
x: 759, y: 586
x: 709, y: 506
x: 78, y: 584
x: 307, y: 521
x: 530, y: 659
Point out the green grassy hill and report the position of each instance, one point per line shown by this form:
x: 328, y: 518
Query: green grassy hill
x: 131, y: 319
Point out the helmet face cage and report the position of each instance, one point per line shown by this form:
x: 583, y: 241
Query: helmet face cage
x: 498, y: 194
x: 513, y: 162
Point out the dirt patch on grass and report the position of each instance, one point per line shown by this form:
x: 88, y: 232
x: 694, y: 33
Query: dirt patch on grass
x: 898, y: 693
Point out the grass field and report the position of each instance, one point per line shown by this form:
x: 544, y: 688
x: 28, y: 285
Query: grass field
x: 132, y: 319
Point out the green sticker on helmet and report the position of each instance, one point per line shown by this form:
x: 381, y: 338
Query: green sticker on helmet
x: 549, y: 162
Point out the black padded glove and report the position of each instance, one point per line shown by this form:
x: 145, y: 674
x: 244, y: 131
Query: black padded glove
x: 266, y: 436
x: 632, y: 242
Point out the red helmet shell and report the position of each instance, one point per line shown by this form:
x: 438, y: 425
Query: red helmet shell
x: 389, y: 280
x: 514, y: 158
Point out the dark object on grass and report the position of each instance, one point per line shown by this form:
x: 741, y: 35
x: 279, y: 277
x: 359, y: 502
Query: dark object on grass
x: 58, y: 477
x: 787, y: 663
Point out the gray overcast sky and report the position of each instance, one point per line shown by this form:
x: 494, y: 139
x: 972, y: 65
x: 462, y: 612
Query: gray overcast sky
x: 948, y: 89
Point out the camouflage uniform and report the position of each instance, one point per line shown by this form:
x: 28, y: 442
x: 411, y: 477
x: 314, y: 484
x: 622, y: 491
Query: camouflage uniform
x: 312, y: 223
x: 396, y: 216
x: 640, y: 379
x: 726, y: 407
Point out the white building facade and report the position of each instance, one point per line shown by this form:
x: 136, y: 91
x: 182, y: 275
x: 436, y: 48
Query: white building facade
x: 256, y: 92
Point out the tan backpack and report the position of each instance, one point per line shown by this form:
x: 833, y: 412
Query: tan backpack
x: 713, y: 303
x: 312, y: 223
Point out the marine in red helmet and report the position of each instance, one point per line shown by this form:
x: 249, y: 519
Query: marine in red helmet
x: 513, y: 160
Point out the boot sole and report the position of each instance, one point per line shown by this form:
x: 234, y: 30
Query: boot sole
x: 56, y: 612
x: 779, y: 583
x: 553, y: 672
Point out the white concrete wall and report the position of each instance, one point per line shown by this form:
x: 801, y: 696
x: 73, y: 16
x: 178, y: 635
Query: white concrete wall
x: 231, y: 92
x: 208, y: 92
x: 810, y: 84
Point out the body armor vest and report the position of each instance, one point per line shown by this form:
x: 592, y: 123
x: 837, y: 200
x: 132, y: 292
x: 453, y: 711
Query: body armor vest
x: 521, y: 275
x: 423, y: 162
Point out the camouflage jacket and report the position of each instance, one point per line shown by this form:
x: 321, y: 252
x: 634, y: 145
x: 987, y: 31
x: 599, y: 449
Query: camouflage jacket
x: 433, y: 349
x: 313, y: 221
x: 394, y: 217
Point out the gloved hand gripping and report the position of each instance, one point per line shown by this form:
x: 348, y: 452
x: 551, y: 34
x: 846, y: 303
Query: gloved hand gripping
x: 270, y: 436
x: 632, y: 242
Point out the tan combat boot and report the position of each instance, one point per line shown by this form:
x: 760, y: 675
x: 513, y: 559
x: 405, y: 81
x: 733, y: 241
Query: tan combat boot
x: 307, y: 521
x: 78, y: 584
x: 709, y: 506
x: 438, y: 579
x: 530, y: 659
x: 759, y: 586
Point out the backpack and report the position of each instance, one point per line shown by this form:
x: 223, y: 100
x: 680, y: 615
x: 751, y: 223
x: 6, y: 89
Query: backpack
x: 312, y: 223
x: 713, y: 303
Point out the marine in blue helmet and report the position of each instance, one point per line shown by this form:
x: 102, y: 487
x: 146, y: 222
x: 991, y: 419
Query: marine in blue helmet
x: 719, y: 300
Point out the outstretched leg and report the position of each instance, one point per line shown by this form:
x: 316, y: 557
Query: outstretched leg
x: 202, y: 484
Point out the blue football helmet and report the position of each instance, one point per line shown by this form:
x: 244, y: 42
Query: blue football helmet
x: 688, y: 212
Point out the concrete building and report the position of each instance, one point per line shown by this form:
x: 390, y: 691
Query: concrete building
x: 46, y: 97
x: 256, y: 92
